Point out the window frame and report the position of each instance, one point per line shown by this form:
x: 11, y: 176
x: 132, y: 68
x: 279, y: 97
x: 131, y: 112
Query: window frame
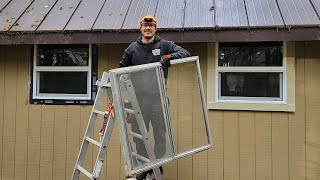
x: 215, y: 101
x: 51, y: 98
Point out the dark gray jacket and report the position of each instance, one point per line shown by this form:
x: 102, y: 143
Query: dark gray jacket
x: 139, y: 53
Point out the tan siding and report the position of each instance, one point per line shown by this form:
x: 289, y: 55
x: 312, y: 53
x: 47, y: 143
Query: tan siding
x: 280, y: 169
x: 60, y: 142
x: 216, y: 154
x: 200, y: 160
x: 297, y: 124
x: 2, y: 79
x: 42, y: 142
x: 73, y: 136
x: 33, y: 170
x: 231, y: 145
x: 21, y: 153
x: 84, y: 116
x: 263, y: 146
x: 312, y: 74
x: 10, y: 103
x: 247, y: 145
x: 46, y: 156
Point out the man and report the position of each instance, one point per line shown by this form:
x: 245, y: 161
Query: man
x: 148, y: 49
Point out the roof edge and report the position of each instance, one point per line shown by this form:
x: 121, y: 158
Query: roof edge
x: 115, y: 37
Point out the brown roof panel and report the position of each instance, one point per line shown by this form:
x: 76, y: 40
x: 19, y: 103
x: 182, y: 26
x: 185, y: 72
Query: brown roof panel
x: 198, y: 14
x: 137, y: 10
x: 298, y: 12
x: 170, y: 14
x: 263, y: 13
x: 3, y: 3
x: 10, y: 14
x: 59, y: 15
x: 85, y: 15
x: 230, y: 13
x: 112, y: 14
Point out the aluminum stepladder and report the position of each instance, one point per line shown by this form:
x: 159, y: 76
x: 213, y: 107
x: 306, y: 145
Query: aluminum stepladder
x: 104, y: 85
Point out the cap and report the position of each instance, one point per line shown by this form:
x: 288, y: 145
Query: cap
x: 148, y: 19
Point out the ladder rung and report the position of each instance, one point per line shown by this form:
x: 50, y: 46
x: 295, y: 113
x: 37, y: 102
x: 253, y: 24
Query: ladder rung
x: 93, y: 141
x: 85, y: 172
x: 99, y: 112
x: 140, y: 157
x: 130, y: 111
x: 135, y: 134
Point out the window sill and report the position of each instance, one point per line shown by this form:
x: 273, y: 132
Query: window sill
x: 251, y: 106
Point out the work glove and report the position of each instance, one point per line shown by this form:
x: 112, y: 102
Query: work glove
x: 165, y: 60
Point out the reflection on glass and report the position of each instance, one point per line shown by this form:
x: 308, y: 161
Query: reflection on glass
x: 250, y: 84
x: 250, y: 54
x: 63, y: 55
x: 63, y: 82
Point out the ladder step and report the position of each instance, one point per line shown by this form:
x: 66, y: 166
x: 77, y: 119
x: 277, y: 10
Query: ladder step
x: 135, y: 134
x: 85, y: 172
x: 130, y: 111
x: 140, y: 157
x: 99, y: 112
x: 93, y: 141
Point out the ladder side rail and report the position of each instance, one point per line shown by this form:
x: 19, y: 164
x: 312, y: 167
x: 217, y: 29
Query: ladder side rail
x: 88, y: 133
x: 141, y: 125
x: 103, y: 149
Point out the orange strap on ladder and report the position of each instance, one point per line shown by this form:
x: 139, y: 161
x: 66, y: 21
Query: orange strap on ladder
x: 110, y: 110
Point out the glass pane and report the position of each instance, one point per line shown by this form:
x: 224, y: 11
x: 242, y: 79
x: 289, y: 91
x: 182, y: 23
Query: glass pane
x: 250, y: 54
x: 251, y: 84
x: 63, y: 55
x: 63, y: 82
x: 146, y: 91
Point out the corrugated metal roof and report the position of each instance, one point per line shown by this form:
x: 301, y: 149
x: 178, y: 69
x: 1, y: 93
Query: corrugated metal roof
x: 137, y: 10
x: 112, y: 15
x: 298, y: 12
x: 231, y: 13
x: 92, y: 15
x: 198, y: 14
x: 170, y: 14
x: 33, y: 16
x: 59, y: 15
x: 263, y: 13
x: 3, y: 3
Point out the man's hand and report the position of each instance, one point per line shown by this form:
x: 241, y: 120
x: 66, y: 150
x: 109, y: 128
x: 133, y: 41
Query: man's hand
x: 165, y: 60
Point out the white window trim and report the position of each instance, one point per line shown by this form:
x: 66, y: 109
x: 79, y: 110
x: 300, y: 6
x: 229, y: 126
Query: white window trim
x: 260, y: 104
x: 36, y: 69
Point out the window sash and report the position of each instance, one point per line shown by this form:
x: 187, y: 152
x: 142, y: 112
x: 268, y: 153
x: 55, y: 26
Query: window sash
x: 36, y: 79
x: 234, y: 99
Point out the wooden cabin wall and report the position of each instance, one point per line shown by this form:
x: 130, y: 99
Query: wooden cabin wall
x: 42, y: 141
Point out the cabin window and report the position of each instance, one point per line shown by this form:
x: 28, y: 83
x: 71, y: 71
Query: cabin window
x: 250, y: 73
x: 63, y: 74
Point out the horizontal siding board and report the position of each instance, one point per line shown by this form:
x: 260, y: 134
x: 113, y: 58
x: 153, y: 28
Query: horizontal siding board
x: 230, y: 13
x: 10, y: 14
x: 297, y: 12
x: 85, y: 15
x: 137, y: 10
x: 112, y: 15
x: 198, y: 14
x: 59, y: 15
x: 263, y: 13
x: 170, y: 14
x: 33, y: 16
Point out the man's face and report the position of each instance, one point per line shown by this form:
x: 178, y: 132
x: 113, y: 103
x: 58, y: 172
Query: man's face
x: 148, y: 30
